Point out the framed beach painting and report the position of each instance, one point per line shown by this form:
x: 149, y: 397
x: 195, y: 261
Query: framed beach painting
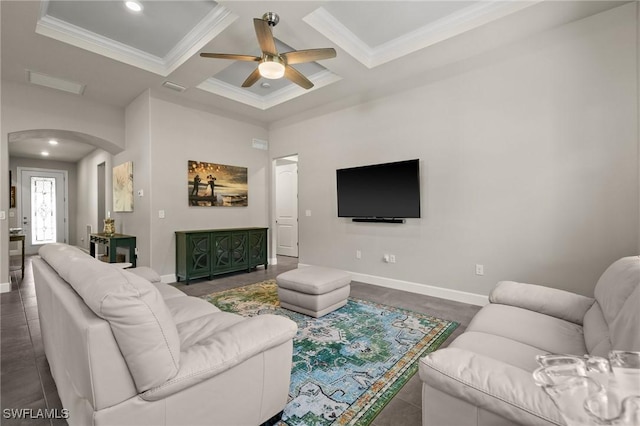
x: 123, y: 187
x: 212, y: 184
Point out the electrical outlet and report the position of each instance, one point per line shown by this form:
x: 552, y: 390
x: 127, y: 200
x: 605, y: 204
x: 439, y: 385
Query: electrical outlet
x: 358, y: 254
x: 386, y: 258
x: 392, y: 258
x: 3, y: 215
x: 161, y: 214
x: 479, y: 269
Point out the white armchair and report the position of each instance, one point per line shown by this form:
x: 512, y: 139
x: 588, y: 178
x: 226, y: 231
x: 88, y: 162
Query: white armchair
x: 485, y: 377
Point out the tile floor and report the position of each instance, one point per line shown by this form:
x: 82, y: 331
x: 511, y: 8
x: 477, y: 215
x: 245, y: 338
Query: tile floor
x: 26, y: 382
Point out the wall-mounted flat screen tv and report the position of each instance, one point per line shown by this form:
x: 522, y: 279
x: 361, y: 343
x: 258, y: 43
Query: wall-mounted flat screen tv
x: 380, y: 191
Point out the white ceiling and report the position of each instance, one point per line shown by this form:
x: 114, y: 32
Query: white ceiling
x: 382, y: 47
x: 70, y: 146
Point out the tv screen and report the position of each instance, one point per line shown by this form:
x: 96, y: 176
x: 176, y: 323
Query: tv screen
x: 390, y: 190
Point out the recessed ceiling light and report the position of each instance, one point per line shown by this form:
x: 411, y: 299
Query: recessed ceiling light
x: 133, y: 6
x: 44, y: 153
x: 265, y: 85
x: 53, y: 142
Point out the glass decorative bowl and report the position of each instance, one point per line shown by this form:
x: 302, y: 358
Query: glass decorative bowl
x: 593, y: 390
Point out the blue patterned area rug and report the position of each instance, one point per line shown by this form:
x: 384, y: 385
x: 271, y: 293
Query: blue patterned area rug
x: 348, y: 364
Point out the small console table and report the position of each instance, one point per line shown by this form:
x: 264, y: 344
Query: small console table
x: 210, y: 252
x: 113, y: 242
x: 19, y: 237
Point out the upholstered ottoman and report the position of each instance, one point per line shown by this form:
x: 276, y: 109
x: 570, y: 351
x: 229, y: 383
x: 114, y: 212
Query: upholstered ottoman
x: 313, y: 290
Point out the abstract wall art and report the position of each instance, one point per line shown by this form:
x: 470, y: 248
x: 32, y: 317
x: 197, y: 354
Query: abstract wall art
x: 123, y: 187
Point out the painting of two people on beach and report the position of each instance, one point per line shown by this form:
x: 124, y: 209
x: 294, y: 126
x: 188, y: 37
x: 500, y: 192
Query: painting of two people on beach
x: 213, y: 184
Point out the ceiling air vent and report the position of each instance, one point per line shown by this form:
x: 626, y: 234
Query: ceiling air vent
x: 174, y: 86
x: 55, y: 82
x: 260, y: 144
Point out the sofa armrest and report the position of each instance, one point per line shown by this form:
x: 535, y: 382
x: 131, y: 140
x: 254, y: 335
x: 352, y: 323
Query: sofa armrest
x: 546, y: 300
x: 224, y: 350
x: 490, y: 384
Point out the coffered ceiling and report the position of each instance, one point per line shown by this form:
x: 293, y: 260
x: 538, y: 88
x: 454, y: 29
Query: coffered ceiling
x: 382, y: 47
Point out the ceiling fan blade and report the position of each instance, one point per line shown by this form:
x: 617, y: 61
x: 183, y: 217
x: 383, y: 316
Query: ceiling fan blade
x: 310, y: 55
x: 253, y: 77
x: 248, y: 58
x: 265, y: 36
x: 295, y: 76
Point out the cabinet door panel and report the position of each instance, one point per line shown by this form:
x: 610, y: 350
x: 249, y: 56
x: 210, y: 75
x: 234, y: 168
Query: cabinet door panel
x: 198, y: 251
x: 257, y: 248
x: 239, y: 251
x: 222, y: 252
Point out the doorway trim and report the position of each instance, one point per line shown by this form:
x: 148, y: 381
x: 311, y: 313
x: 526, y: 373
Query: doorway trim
x: 274, y: 214
x: 65, y: 173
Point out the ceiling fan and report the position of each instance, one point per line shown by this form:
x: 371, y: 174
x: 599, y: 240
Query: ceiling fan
x: 274, y: 65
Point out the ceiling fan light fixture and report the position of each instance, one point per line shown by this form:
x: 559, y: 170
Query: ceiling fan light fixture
x: 271, y: 69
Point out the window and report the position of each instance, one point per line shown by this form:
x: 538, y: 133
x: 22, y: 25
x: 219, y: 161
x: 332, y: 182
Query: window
x: 43, y: 210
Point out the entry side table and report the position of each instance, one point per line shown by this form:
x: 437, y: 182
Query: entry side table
x: 19, y: 237
x: 113, y: 242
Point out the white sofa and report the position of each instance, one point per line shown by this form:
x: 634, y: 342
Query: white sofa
x: 484, y: 376
x: 125, y: 351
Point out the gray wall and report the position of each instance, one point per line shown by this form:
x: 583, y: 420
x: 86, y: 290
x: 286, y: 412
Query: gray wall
x: 138, y: 151
x: 529, y: 166
x: 87, y: 213
x: 161, y: 138
x: 29, y: 107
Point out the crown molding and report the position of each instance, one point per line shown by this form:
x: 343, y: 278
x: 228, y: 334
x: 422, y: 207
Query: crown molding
x: 291, y: 91
x: 208, y: 28
x: 330, y: 27
x: 450, y: 26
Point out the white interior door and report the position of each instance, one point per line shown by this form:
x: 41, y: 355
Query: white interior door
x: 287, y: 209
x: 43, y: 207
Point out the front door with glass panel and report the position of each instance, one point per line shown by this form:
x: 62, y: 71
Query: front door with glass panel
x: 43, y: 209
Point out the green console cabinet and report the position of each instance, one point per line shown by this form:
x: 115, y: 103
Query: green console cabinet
x: 205, y: 253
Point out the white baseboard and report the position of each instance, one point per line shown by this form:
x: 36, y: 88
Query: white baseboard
x: 273, y: 261
x: 170, y: 278
x: 427, y: 290
x: 5, y: 287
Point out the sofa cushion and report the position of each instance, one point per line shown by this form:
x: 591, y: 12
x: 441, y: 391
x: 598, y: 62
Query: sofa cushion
x: 547, y: 333
x: 168, y: 291
x: 596, y: 332
x: 545, y: 300
x: 500, y: 348
x: 197, y: 330
x: 188, y: 308
x: 139, y: 319
x: 618, y: 296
